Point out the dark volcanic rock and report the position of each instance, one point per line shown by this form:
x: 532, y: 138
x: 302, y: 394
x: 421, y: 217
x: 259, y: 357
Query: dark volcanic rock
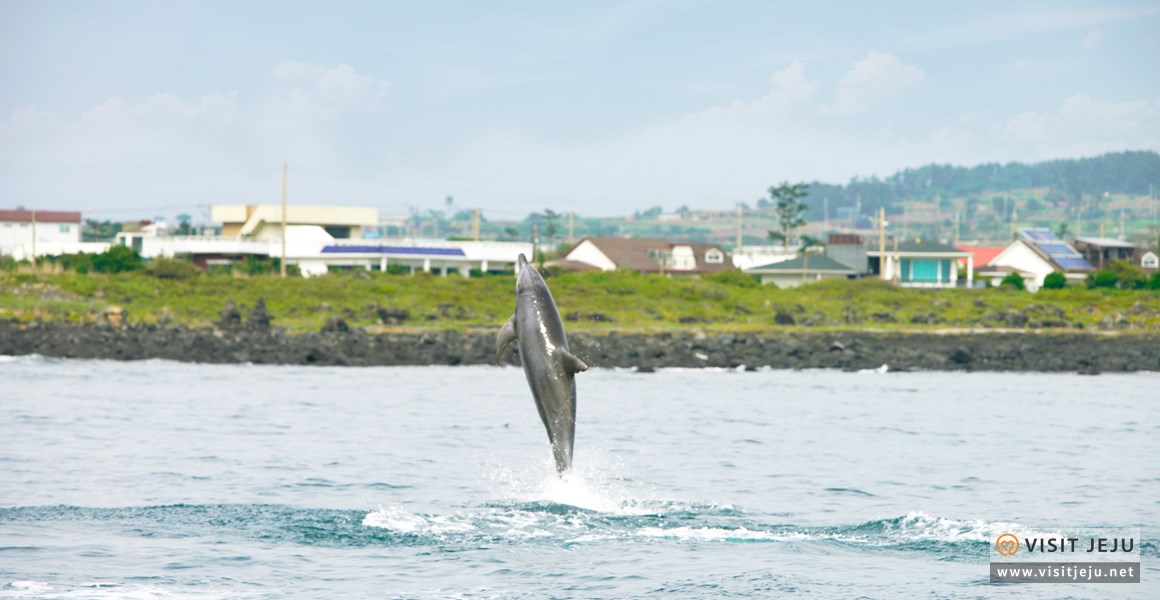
x: 340, y: 344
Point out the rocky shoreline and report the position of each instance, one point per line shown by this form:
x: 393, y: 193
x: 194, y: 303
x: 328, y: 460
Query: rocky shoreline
x: 256, y: 341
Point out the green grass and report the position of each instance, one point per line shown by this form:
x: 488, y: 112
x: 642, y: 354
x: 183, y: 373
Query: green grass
x: 606, y: 301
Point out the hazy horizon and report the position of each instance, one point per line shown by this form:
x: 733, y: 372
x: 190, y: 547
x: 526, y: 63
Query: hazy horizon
x: 134, y: 110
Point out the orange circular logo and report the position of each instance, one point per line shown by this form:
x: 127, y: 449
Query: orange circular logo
x: 1007, y: 544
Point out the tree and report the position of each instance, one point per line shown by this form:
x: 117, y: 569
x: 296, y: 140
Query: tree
x: 117, y: 259
x: 1054, y: 281
x: 808, y: 241
x: 1129, y: 276
x: 684, y: 212
x: 790, y: 208
x: 183, y: 226
x: 1102, y: 279
x: 1012, y: 280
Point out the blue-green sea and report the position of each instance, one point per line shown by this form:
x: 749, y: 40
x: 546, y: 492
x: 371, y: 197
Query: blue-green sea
x: 166, y: 480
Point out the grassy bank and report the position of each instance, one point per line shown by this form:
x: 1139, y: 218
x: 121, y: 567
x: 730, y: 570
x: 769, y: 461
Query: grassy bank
x: 590, y: 301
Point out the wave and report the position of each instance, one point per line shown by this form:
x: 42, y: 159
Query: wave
x: 523, y: 522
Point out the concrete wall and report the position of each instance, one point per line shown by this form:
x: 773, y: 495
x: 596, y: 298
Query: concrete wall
x: 16, y: 238
x: 587, y: 252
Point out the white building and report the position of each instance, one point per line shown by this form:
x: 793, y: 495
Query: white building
x: 645, y: 255
x: 1035, y: 254
x: 264, y: 221
x: 28, y: 233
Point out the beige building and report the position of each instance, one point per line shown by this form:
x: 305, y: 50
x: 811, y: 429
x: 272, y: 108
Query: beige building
x: 264, y: 221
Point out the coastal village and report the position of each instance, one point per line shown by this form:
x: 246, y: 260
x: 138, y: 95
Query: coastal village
x: 315, y: 240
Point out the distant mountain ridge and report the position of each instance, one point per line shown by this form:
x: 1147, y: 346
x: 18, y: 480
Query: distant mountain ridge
x: 1130, y: 172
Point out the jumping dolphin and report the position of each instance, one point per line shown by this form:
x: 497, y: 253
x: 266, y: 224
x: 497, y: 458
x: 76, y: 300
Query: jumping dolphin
x: 549, y: 365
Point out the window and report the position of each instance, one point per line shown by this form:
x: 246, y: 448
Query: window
x: 1150, y: 261
x: 714, y: 256
x: 65, y: 228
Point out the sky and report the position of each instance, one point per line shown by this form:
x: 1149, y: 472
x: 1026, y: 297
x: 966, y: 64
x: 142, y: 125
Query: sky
x: 128, y: 110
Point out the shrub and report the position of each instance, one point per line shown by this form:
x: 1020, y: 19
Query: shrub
x: 1013, y: 280
x: 1154, y: 281
x: 172, y: 268
x: 81, y: 263
x: 117, y: 259
x: 1102, y: 279
x: 733, y: 277
x: 1054, y: 281
x: 1129, y: 275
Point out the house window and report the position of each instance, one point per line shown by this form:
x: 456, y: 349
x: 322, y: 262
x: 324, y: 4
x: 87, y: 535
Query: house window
x: 65, y: 228
x: 1150, y: 261
x: 714, y: 256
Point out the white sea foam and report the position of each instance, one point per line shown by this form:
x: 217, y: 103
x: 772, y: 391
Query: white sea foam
x: 395, y: 518
x: 716, y: 533
x: 113, y: 591
x: 921, y: 526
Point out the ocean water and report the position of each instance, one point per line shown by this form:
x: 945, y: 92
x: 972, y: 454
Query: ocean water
x: 165, y: 480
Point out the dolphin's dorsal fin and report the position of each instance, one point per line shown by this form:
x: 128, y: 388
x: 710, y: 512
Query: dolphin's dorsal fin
x: 506, y: 335
x: 572, y: 364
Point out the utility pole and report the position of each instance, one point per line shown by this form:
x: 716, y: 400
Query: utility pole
x: 956, y: 228
x: 882, y: 242
x: 1123, y: 232
x: 826, y: 213
x: 535, y: 240
x: 283, y: 265
x: 897, y: 263
x: 1079, y: 215
x: 34, y: 238
x: 740, y: 228
x: 475, y: 225
x: 571, y: 224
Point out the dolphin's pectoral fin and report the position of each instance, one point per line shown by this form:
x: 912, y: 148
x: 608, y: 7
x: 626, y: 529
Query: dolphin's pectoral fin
x: 506, y: 335
x: 572, y: 364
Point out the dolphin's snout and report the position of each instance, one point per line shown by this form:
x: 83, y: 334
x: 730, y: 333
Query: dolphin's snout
x: 523, y: 262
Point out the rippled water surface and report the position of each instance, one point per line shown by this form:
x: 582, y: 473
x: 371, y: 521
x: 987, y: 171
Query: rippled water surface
x: 161, y: 480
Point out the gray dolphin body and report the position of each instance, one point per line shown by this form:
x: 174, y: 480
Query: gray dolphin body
x: 549, y: 365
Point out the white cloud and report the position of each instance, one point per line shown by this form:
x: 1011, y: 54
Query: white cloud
x: 949, y: 138
x: 1003, y: 26
x: 1110, y: 118
x: 328, y: 93
x: 1022, y: 64
x: 1094, y: 39
x: 791, y: 88
x: 879, y: 75
x: 1084, y: 124
x: 213, y: 110
x: 1024, y: 127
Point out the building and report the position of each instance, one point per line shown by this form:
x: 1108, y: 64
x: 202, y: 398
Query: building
x: 747, y: 257
x: 980, y: 255
x: 264, y: 221
x: 1035, y: 253
x: 803, y: 269
x: 438, y: 256
x: 849, y: 249
x: 1101, y: 251
x: 919, y: 263
x: 1147, y: 259
x: 28, y: 233
x: 647, y: 255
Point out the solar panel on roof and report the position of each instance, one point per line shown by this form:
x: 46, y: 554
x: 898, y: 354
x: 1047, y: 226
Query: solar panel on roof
x: 1041, y: 235
x: 1058, y: 249
x: 393, y: 250
x: 1073, y: 263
